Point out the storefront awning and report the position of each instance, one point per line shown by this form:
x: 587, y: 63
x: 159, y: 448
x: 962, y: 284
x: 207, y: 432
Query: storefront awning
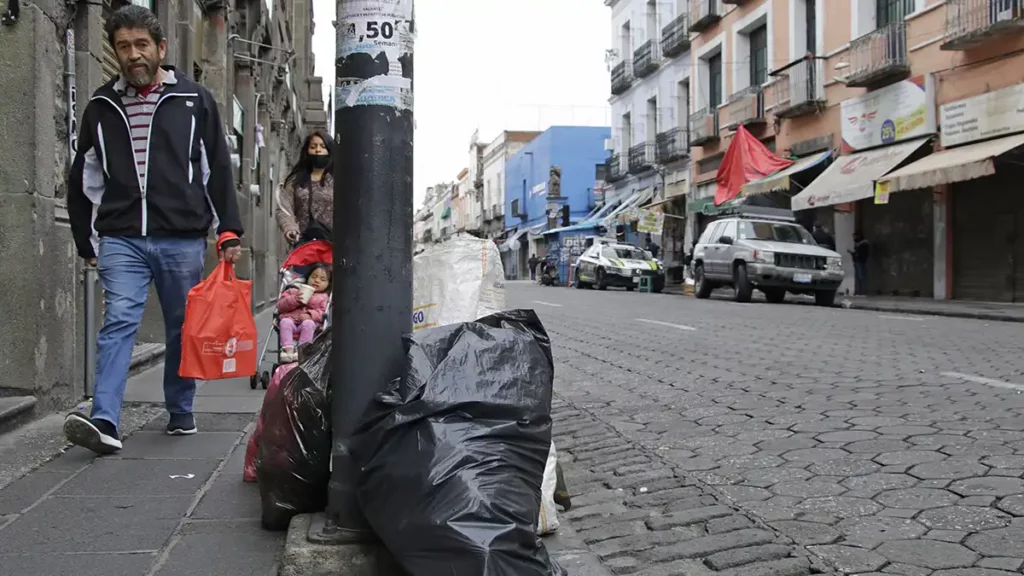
x: 953, y: 165
x: 780, y: 180
x: 851, y: 178
x: 638, y: 197
x: 513, y: 242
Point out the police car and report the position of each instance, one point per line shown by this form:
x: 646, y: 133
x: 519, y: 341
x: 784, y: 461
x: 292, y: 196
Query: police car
x: 617, y: 265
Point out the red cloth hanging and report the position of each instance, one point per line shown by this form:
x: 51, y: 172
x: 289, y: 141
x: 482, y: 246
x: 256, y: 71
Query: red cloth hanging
x: 746, y: 160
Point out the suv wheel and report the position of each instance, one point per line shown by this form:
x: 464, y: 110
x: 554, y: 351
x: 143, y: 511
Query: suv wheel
x: 701, y: 286
x: 601, y: 285
x: 825, y: 298
x: 579, y: 283
x: 744, y: 289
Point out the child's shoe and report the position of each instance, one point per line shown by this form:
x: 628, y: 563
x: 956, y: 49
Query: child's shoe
x: 288, y: 355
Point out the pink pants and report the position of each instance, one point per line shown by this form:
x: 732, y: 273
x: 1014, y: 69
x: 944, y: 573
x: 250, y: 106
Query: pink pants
x: 288, y: 327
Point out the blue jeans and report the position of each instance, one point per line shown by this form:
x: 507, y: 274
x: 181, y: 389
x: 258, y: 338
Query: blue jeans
x: 127, y: 266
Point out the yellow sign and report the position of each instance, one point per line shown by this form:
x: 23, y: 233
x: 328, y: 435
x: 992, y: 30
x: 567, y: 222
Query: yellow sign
x: 882, y: 192
x: 651, y: 222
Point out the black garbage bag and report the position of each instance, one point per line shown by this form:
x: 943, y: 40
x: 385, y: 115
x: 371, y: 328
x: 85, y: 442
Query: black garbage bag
x: 452, y: 456
x: 293, y: 468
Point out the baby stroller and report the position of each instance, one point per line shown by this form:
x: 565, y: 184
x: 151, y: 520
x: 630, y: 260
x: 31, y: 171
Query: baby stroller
x: 296, y: 265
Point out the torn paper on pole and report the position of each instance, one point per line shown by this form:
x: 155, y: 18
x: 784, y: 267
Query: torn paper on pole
x: 374, y: 53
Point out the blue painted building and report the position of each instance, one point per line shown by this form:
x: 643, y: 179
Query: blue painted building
x: 576, y: 150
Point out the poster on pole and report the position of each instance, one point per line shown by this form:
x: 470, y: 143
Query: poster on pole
x: 650, y: 222
x: 373, y: 63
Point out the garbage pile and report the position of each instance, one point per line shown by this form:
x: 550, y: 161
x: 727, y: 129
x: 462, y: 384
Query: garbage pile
x: 458, y: 471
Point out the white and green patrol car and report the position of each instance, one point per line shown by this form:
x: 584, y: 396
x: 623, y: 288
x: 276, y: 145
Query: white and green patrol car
x: 620, y: 265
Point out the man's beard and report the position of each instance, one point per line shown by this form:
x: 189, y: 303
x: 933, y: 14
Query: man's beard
x: 140, y: 76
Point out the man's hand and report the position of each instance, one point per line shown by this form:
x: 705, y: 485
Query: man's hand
x: 231, y: 254
x: 90, y: 262
x: 292, y: 236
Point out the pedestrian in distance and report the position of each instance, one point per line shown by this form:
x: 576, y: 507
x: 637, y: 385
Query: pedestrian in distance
x: 652, y: 247
x: 822, y: 237
x: 861, y: 253
x: 305, y: 202
x: 151, y: 177
x: 532, y: 263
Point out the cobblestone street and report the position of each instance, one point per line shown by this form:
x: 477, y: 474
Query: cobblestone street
x: 704, y: 437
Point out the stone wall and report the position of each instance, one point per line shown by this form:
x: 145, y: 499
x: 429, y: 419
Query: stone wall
x: 41, y: 295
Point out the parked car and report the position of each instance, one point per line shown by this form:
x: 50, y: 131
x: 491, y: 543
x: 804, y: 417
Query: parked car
x: 619, y: 265
x: 773, y: 256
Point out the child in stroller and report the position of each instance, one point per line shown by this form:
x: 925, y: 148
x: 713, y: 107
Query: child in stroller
x: 302, y: 307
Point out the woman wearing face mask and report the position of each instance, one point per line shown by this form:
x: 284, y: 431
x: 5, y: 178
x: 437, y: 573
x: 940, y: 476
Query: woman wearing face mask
x: 305, y: 202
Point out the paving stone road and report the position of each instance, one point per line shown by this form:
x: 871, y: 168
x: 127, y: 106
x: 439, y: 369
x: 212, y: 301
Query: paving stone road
x: 708, y: 437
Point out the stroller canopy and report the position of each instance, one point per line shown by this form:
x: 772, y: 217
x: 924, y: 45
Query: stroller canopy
x: 310, y: 253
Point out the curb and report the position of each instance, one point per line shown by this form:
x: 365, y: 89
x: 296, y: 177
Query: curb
x: 145, y: 356
x: 915, y: 310
x: 990, y: 316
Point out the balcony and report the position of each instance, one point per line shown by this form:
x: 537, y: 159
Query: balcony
x: 622, y: 78
x: 645, y: 61
x: 799, y: 89
x: 704, y: 127
x: 641, y: 158
x: 746, y: 108
x: 704, y: 14
x: 675, y: 38
x: 880, y: 57
x: 615, y: 172
x: 497, y: 211
x: 672, y: 145
x: 970, y: 23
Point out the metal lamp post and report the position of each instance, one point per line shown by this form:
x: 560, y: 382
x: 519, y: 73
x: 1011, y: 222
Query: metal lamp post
x: 373, y: 223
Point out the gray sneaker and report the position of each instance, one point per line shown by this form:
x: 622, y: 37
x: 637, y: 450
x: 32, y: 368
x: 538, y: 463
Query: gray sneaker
x: 182, y: 425
x: 93, y: 434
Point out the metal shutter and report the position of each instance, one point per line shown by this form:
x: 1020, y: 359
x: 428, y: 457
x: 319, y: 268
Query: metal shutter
x: 902, y: 247
x: 983, y: 226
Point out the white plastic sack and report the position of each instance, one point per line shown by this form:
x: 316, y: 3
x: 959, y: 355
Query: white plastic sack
x: 548, y: 521
x: 459, y: 280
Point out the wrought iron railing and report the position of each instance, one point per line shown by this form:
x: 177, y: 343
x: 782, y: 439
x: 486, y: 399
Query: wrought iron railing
x: 800, y: 88
x: 622, y: 77
x: 672, y: 145
x: 704, y: 13
x: 703, y: 126
x: 968, y: 22
x: 878, y: 55
x: 675, y: 37
x: 615, y: 172
x: 641, y: 157
x: 644, y: 59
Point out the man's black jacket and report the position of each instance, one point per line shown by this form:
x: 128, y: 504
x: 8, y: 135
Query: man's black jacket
x: 189, y: 184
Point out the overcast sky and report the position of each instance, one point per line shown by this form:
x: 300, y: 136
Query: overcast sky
x: 494, y: 65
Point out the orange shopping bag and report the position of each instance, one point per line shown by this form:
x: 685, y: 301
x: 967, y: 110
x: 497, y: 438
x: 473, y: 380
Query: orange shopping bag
x: 218, y: 338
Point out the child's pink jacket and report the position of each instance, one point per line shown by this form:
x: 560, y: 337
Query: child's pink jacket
x: 288, y: 305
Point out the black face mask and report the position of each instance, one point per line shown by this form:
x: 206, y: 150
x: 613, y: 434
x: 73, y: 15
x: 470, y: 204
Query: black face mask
x: 319, y: 161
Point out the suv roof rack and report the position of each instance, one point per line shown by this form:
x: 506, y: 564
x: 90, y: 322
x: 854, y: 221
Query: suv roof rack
x: 764, y: 213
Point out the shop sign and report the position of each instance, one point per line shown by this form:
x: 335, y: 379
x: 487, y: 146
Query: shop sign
x: 882, y: 192
x: 988, y: 115
x: 651, y: 222
x: 901, y: 111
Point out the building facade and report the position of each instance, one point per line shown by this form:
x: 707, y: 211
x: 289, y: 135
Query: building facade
x: 651, y: 78
x: 552, y: 171
x: 494, y: 158
x: 268, y: 99
x: 858, y: 96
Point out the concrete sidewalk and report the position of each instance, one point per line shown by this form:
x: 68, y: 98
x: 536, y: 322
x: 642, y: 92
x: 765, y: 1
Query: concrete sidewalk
x: 993, y: 311
x: 162, y: 506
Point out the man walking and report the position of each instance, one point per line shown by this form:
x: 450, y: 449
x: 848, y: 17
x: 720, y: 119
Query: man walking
x: 822, y: 237
x: 532, y: 263
x: 151, y: 176
x: 860, y: 253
